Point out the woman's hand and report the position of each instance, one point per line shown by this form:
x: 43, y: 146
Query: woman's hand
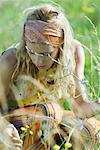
x: 86, y: 109
x: 12, y: 133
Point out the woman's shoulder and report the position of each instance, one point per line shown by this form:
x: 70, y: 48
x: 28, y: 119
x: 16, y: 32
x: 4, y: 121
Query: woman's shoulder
x: 8, y: 62
x: 78, y: 48
x: 76, y: 44
x: 8, y: 57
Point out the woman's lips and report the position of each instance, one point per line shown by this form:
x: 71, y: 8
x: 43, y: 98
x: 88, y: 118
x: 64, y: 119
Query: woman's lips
x: 41, y: 66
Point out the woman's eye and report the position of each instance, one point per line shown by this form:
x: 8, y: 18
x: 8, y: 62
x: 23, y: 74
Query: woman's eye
x: 49, y: 54
x: 40, y: 54
x: 46, y: 54
x: 32, y: 53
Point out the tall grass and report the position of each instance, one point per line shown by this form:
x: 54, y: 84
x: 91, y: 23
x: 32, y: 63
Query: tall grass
x: 84, y: 18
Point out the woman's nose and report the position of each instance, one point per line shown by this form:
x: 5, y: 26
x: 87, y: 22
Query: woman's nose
x: 40, y: 60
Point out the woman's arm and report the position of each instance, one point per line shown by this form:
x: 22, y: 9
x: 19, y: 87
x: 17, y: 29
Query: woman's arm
x: 82, y: 106
x: 7, y: 65
x: 79, y: 73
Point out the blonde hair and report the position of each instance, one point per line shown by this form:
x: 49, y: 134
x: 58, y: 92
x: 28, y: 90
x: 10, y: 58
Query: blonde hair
x: 64, y: 82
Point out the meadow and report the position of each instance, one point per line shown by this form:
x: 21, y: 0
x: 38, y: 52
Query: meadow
x: 84, y: 17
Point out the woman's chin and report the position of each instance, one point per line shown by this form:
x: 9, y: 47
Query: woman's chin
x: 40, y: 68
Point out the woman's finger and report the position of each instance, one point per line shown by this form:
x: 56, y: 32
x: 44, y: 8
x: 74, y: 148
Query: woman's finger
x: 16, y: 140
x: 14, y: 131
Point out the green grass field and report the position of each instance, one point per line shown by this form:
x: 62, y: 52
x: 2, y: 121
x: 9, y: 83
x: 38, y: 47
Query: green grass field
x: 84, y: 17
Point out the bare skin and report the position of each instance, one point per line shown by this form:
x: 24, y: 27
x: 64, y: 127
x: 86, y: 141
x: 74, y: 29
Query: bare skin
x: 7, y: 65
x: 14, y: 136
x: 82, y: 106
x: 9, y: 138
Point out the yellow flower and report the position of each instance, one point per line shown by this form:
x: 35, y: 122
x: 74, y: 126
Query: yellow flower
x: 56, y: 147
x: 23, y: 128
x: 67, y: 145
x: 39, y: 94
x: 27, y: 126
x: 30, y: 132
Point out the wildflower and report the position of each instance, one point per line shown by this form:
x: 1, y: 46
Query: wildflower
x: 27, y: 126
x: 31, y: 132
x: 56, y: 147
x: 67, y: 145
x: 39, y: 95
x: 23, y: 128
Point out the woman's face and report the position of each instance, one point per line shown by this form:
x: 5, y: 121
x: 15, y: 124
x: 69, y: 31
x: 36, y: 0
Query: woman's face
x: 42, y: 55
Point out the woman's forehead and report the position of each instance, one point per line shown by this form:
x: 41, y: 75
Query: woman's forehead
x: 39, y: 47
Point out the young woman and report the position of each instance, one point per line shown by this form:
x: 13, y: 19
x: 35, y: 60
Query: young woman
x: 42, y: 72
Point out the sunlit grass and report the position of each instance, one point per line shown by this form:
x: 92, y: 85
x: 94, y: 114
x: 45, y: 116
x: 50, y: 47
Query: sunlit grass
x: 84, y: 18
